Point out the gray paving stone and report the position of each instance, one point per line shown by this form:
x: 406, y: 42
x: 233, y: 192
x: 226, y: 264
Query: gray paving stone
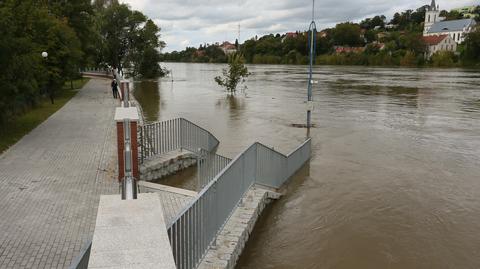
x: 52, y: 179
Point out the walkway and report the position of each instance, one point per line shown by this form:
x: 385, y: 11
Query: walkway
x: 52, y: 179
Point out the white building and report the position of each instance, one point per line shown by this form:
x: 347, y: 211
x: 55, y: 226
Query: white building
x: 439, y: 43
x: 435, y: 25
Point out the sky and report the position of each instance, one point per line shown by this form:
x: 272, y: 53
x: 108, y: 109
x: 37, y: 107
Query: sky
x: 194, y: 22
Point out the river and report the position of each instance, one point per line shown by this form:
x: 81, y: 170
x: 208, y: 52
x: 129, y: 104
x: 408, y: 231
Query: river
x: 394, y: 181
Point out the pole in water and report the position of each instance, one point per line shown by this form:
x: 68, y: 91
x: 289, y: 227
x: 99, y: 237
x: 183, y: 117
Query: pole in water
x: 311, y: 44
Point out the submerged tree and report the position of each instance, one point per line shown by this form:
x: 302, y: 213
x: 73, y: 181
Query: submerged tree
x: 236, y: 73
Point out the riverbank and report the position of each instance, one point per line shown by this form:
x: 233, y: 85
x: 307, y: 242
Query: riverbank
x: 344, y: 60
x: 14, y: 130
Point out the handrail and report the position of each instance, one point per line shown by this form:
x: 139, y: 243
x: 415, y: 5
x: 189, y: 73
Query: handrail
x: 193, y: 231
x: 165, y: 136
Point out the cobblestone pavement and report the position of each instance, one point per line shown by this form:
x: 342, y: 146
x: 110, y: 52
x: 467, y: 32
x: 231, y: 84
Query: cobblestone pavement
x: 52, y: 179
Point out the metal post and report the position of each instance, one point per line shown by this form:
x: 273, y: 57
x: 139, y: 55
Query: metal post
x: 126, y: 93
x: 129, y: 186
x: 311, y: 43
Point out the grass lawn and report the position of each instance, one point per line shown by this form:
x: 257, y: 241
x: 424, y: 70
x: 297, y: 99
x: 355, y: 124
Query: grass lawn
x: 23, y: 124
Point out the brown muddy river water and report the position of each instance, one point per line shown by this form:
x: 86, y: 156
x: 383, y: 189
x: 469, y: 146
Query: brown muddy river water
x: 394, y: 181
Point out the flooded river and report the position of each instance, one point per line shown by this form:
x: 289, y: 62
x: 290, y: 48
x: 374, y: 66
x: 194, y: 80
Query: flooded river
x: 394, y: 181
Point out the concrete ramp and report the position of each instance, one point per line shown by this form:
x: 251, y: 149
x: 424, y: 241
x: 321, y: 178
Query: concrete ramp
x: 131, y: 234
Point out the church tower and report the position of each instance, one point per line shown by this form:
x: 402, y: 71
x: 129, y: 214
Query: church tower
x: 432, y: 15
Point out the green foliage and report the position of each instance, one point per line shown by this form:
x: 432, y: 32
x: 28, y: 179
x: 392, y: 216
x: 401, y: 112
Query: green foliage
x: 401, y: 46
x: 451, y: 15
x: 410, y: 20
x: 371, y: 23
x: 347, y: 34
x: 235, y: 74
x: 75, y: 34
x: 443, y: 59
x: 476, y: 12
x: 28, y: 28
x: 471, y: 54
x: 409, y: 59
x: 128, y: 40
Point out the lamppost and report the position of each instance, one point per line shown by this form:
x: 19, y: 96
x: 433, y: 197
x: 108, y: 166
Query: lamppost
x: 312, y: 44
x: 45, y: 56
x: 50, y: 90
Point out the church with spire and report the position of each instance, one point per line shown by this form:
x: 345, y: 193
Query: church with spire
x: 435, y: 25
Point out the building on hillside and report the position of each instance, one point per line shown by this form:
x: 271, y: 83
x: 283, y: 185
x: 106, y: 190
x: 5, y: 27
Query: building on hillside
x: 438, y: 43
x: 391, y: 26
x: 228, y: 48
x: 342, y: 49
x: 290, y: 35
x: 436, y: 25
x: 382, y: 35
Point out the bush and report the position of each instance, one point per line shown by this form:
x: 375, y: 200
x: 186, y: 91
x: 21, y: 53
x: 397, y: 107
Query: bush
x: 443, y: 59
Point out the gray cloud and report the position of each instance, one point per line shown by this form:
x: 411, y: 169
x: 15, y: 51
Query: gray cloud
x: 194, y: 22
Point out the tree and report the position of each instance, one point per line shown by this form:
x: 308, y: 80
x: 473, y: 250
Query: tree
x: 443, y: 59
x: 64, y: 56
x: 452, y: 15
x: 347, y: 34
x: 413, y: 42
x: 236, y: 73
x: 477, y: 13
x: 371, y: 23
x: 471, y: 55
x: 130, y: 40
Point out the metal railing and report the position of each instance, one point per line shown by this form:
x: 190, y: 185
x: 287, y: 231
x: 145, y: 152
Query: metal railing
x: 166, y: 136
x: 274, y: 168
x: 208, y: 166
x: 196, y: 228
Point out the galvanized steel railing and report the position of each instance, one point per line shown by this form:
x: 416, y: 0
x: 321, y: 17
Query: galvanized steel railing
x: 166, y: 136
x: 208, y: 166
x: 196, y: 228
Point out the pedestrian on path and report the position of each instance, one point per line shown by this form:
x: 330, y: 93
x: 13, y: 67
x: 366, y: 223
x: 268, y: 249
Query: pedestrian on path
x: 115, y: 88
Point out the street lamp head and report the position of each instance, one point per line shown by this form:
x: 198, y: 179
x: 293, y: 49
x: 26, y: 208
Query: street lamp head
x: 44, y: 54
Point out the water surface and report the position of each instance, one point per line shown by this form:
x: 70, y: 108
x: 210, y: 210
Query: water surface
x: 394, y: 179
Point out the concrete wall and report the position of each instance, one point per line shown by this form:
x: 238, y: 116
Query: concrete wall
x: 166, y: 165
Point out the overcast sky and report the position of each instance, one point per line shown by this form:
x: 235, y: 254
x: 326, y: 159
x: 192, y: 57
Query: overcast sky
x: 194, y: 22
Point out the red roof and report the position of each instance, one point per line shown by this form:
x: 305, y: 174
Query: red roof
x: 434, y: 39
x: 228, y: 46
x: 291, y: 34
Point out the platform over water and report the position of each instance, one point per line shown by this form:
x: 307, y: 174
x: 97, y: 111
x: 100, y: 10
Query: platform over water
x: 131, y: 234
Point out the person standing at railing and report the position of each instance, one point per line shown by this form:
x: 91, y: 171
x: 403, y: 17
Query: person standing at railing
x: 114, y: 88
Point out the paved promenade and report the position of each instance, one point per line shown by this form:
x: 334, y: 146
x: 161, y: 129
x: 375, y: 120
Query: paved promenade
x: 52, y: 179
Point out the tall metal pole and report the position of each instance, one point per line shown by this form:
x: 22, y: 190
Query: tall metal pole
x: 311, y: 43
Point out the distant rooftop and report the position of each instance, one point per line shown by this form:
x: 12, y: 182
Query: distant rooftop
x: 434, y: 40
x: 450, y: 26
